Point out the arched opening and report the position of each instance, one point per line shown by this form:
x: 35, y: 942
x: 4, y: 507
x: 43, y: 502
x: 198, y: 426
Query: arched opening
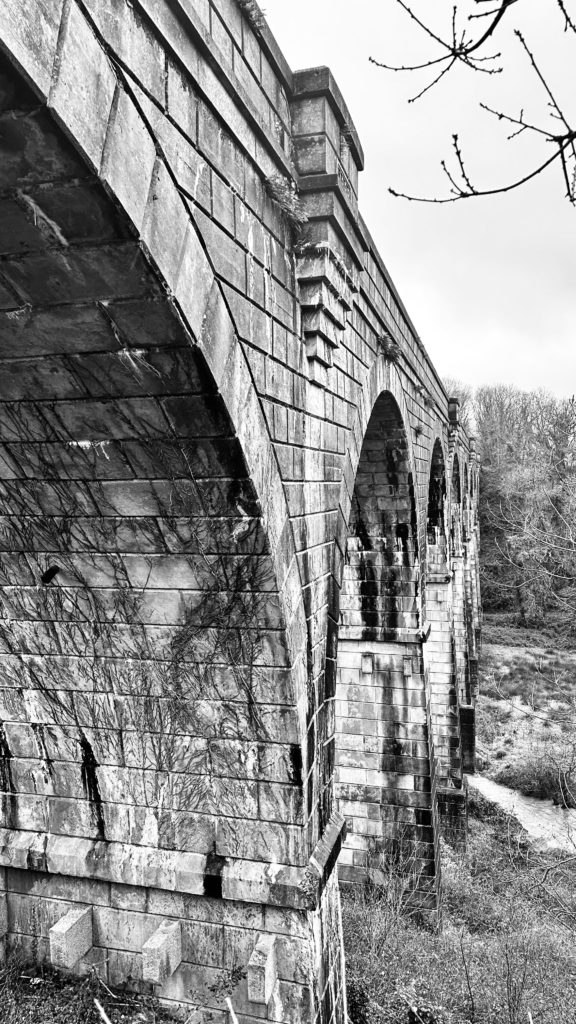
x: 455, y: 508
x: 466, y: 504
x: 383, y: 765
x: 435, y: 521
x: 380, y: 585
x: 139, y: 609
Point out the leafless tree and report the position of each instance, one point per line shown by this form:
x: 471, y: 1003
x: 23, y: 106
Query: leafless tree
x: 469, y: 37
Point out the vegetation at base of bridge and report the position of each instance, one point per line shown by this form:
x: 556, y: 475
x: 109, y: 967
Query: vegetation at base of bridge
x: 526, y: 714
x: 527, y: 510
x: 506, y: 949
x: 506, y: 953
x: 39, y: 995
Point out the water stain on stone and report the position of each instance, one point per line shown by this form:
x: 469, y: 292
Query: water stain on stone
x: 91, y: 785
x: 295, y: 764
x: 8, y: 798
x: 213, y: 875
x: 47, y: 763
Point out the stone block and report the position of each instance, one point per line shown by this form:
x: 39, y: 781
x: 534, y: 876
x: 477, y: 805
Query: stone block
x: 3, y: 915
x: 71, y: 938
x: 164, y: 225
x: 162, y: 953
x: 262, y: 970
x: 83, y: 91
x: 129, y: 158
x: 367, y: 664
x: 29, y: 30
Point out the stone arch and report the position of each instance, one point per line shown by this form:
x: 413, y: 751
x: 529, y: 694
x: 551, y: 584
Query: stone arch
x: 466, y: 502
x: 136, y: 451
x: 382, y: 750
x: 456, y: 493
x: 134, y: 529
x: 382, y: 377
x: 456, y: 506
x: 436, y: 509
x: 140, y: 182
x: 379, y: 596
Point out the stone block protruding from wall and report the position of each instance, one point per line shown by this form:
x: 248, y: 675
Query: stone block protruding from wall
x: 71, y: 938
x: 162, y: 952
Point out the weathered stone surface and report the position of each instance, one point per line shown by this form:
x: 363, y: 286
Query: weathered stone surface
x: 162, y: 953
x: 3, y: 915
x: 262, y: 970
x: 71, y: 938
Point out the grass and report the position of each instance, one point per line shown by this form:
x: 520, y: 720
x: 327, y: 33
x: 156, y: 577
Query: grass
x: 38, y: 995
x: 507, y: 946
x: 556, y: 634
x: 526, y: 720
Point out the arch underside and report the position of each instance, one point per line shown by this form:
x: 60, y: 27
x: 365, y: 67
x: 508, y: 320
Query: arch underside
x: 145, y: 686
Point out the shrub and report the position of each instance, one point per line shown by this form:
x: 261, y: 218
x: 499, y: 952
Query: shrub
x: 284, y: 193
x: 500, y: 956
x: 549, y: 775
x: 254, y: 15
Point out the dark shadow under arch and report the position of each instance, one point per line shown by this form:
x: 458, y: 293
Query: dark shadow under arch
x: 435, y: 520
x: 380, y: 588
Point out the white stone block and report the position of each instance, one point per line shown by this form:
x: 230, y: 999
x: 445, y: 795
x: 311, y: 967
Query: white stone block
x: 367, y: 664
x: 162, y: 953
x: 3, y: 915
x: 71, y: 937
x: 262, y: 970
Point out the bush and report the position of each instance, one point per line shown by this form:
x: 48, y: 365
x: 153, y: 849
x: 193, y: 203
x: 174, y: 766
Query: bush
x: 549, y: 775
x: 37, y: 995
x: 499, y: 956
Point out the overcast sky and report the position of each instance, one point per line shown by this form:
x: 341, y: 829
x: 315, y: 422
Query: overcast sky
x: 489, y: 283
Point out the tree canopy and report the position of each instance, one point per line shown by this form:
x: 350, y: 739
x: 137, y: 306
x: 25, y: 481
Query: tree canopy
x: 527, y: 446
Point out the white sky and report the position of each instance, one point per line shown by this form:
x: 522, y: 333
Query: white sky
x: 490, y: 283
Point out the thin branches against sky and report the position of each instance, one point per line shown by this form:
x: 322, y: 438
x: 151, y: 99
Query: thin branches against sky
x: 490, y: 282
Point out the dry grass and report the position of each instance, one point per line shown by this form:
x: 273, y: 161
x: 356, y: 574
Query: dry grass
x: 502, y: 628
x: 42, y: 996
x: 507, y: 947
x: 526, y: 719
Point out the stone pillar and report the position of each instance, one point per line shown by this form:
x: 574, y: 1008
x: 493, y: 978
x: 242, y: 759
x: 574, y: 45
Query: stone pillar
x: 440, y: 661
x: 385, y: 770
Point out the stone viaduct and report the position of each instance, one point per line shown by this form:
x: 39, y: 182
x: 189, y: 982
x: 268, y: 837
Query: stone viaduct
x: 238, y: 536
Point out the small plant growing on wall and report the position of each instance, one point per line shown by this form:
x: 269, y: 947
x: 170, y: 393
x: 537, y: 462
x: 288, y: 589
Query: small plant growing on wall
x: 254, y: 15
x: 284, y: 193
x: 389, y: 347
x: 347, y: 134
x: 424, y: 395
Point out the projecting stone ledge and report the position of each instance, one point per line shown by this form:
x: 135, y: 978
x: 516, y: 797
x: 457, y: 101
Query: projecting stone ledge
x: 71, y: 938
x: 323, y: 860
x: 162, y: 953
x: 262, y: 970
x: 196, y: 874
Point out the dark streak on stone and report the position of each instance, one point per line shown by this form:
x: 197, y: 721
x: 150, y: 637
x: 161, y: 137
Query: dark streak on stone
x: 213, y: 875
x: 295, y: 764
x: 391, y: 467
x: 49, y: 575
x: 91, y: 786
x: 8, y: 793
x: 38, y: 730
